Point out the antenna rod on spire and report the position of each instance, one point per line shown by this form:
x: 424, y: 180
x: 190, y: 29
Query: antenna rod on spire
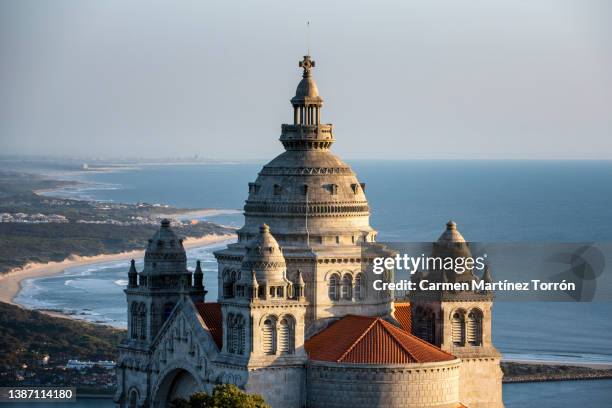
x: 307, y: 37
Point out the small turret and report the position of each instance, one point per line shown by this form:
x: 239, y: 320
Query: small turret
x: 254, y: 286
x: 198, y: 276
x: 132, y: 275
x: 198, y: 292
x: 299, y: 286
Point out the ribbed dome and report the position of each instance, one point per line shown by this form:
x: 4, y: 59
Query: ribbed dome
x: 265, y: 257
x: 165, y: 252
x: 452, y: 244
x: 307, y: 88
x: 301, y: 190
x: 451, y: 235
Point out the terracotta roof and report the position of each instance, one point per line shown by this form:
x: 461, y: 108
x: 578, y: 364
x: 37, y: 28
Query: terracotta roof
x: 403, y: 315
x: 370, y: 340
x: 211, y: 314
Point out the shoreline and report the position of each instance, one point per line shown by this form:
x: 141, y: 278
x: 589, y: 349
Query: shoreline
x: 592, y: 365
x: 11, y: 282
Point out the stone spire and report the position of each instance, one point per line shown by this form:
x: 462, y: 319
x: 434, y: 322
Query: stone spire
x: 299, y: 286
x: 132, y: 275
x: 198, y: 276
x: 254, y: 285
x: 198, y: 292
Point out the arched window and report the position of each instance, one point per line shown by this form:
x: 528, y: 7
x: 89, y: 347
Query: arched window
x: 458, y: 328
x: 360, y: 287
x: 134, y: 321
x: 142, y: 316
x: 230, y: 333
x: 347, y: 287
x: 269, y: 336
x: 286, y: 333
x: 229, y: 278
x: 167, y: 310
x: 474, y: 328
x: 334, y: 284
x: 133, y: 401
x: 240, y: 334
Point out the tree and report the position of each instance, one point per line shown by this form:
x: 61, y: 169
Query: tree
x: 223, y: 396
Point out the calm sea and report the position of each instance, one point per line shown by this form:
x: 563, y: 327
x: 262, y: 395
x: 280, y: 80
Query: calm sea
x: 492, y: 201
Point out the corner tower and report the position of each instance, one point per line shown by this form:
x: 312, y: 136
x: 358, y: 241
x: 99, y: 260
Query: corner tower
x: 151, y: 297
x: 264, y: 321
x: 459, y: 322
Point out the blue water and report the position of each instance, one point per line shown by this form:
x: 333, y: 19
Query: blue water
x: 512, y: 201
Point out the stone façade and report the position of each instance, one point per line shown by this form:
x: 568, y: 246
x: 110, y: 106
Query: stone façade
x: 297, y: 273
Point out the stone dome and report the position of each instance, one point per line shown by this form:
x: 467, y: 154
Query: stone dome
x: 307, y: 88
x: 165, y: 253
x: 265, y: 257
x: 307, y: 191
x: 452, y: 244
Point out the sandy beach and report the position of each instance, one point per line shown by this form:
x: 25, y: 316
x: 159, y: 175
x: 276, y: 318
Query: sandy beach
x: 208, y: 212
x: 10, y: 283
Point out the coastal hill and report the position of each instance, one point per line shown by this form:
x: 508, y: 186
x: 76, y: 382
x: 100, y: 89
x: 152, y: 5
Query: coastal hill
x: 26, y: 336
x: 36, y: 228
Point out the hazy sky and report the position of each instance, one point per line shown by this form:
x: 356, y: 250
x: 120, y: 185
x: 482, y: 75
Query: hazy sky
x: 400, y: 79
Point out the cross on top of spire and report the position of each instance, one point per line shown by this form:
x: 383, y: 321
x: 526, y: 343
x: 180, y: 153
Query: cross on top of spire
x: 307, y: 64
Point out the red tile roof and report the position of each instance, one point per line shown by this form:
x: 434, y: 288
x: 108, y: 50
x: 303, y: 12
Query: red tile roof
x: 370, y: 340
x: 213, y: 318
x: 403, y: 315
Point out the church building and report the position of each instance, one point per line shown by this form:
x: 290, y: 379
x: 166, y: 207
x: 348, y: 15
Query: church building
x: 297, y: 319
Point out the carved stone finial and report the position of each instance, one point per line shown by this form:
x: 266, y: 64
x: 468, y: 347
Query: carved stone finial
x: 307, y: 64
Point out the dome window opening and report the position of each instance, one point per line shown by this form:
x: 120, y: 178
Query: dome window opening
x: 333, y: 189
x: 305, y: 189
x: 254, y: 188
x: 278, y: 189
x: 355, y: 188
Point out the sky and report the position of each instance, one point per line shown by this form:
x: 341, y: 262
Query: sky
x: 427, y: 79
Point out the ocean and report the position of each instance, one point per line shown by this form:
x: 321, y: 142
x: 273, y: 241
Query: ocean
x: 491, y: 201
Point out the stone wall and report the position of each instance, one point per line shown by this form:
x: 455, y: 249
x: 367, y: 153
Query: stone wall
x: 281, y: 387
x: 481, y: 383
x: 332, y: 385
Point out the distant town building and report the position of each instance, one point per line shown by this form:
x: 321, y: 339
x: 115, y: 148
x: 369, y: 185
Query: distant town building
x: 79, y: 365
x: 297, y: 319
